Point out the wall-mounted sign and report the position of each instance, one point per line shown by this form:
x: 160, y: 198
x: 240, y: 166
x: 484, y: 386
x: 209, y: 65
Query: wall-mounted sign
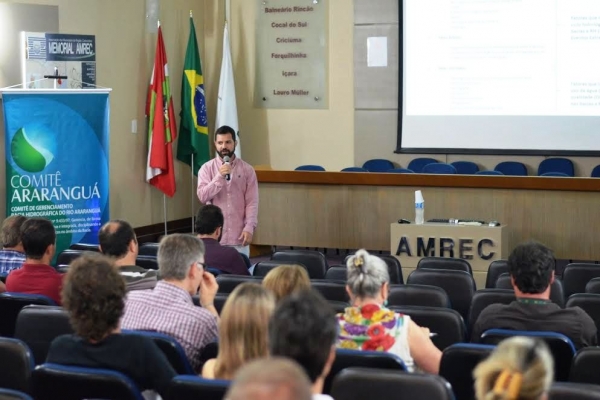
x: 291, y: 54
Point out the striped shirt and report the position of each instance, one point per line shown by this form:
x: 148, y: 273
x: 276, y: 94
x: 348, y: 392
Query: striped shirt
x: 9, y: 260
x: 169, y: 309
x: 237, y: 198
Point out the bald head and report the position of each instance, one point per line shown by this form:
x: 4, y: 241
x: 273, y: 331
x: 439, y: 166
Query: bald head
x: 270, y: 378
x: 117, y: 239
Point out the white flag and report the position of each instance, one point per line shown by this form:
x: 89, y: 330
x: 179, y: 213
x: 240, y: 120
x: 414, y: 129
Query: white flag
x: 226, y: 105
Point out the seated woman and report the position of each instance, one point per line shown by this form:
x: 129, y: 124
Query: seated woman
x: 369, y: 325
x: 243, y: 330
x: 93, y: 293
x: 520, y: 368
x: 285, y: 280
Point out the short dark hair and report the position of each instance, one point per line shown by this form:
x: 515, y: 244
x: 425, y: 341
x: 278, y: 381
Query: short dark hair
x: 36, y: 235
x: 225, y: 130
x: 303, y: 328
x: 10, y: 233
x: 530, y: 265
x: 209, y: 218
x: 114, y: 238
x: 93, y: 293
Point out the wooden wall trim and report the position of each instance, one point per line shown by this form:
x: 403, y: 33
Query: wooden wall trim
x: 427, y: 180
x: 152, y: 233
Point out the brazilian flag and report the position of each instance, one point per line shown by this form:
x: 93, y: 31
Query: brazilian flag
x: 193, y: 129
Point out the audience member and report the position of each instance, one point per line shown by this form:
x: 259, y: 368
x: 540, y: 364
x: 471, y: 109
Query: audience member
x: 519, y: 368
x: 268, y: 379
x: 168, y: 308
x: 303, y: 328
x: 531, y: 268
x: 286, y: 279
x: 209, y: 226
x: 93, y: 294
x: 117, y: 239
x: 369, y: 325
x: 12, y: 255
x: 37, y: 276
x: 243, y: 330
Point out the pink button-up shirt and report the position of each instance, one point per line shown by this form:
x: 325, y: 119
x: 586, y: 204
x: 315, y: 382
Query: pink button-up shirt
x: 237, y: 198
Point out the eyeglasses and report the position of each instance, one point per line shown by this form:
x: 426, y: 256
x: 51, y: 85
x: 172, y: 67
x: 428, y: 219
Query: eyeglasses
x: 200, y: 265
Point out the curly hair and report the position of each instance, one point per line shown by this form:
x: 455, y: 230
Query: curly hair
x: 93, y: 292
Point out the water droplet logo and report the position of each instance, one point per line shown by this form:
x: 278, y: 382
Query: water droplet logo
x: 28, y: 155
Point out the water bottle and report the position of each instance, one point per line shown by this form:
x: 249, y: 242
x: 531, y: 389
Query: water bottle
x: 419, y: 208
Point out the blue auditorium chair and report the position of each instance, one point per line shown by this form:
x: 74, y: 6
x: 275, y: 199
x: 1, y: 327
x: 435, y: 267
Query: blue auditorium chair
x: 400, y: 171
x: 170, y: 347
x: 417, y: 164
x: 12, y: 303
x: 457, y: 365
x: 487, y: 172
x: 439, y: 168
x: 465, y: 167
x: 378, y: 165
x: 16, y: 365
x: 596, y: 172
x: 514, y: 168
x: 7, y: 394
x: 556, y: 164
x: 355, y: 169
x: 309, y: 168
x: 556, y: 174
x: 184, y: 387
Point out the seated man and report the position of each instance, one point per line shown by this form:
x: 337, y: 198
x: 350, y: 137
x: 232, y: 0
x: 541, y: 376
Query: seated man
x: 209, y: 226
x: 168, y: 308
x: 531, y: 267
x: 94, y: 316
x: 304, y: 328
x: 12, y: 255
x: 117, y: 239
x: 37, y: 276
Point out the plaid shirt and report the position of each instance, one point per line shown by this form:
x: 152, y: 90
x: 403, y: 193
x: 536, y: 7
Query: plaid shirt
x: 169, y: 309
x: 9, y: 260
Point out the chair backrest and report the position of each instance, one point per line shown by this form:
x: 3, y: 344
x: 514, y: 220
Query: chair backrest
x: 556, y: 174
x: 246, y: 260
x: 16, y: 365
x: 561, y: 347
x: 439, y: 168
x: 573, y: 391
x: 309, y: 168
x: 400, y: 171
x: 7, y: 394
x: 488, y: 172
x: 53, y: 381
x: 337, y: 273
x: 495, y: 269
x: 596, y: 172
x: 219, y: 302
x: 557, y: 292
x: 514, y: 168
x: 148, y: 249
x: 68, y: 255
x: 588, y: 302
x: 38, y: 326
x: 184, y: 387
x: 417, y: 164
x: 378, y: 165
x: 331, y: 290
x: 593, y: 286
x: 448, y: 324
x: 577, y: 275
x: 147, y: 262
x: 368, y: 359
x: 262, y: 268
x: 584, y: 368
x: 367, y: 383
x: 457, y: 264
x: 394, y: 267
x: 465, y: 167
x: 457, y: 365
x: 486, y: 297
x: 211, y: 350
x: 354, y: 169
x: 315, y: 262
x: 170, y: 347
x: 418, y: 295
x: 338, y: 306
x: 556, y: 164
x: 85, y: 247
x: 229, y: 282
x: 10, y: 306
x: 459, y: 285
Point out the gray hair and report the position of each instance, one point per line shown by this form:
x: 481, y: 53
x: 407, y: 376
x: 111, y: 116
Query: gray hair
x: 366, y: 274
x: 10, y: 233
x: 176, y: 253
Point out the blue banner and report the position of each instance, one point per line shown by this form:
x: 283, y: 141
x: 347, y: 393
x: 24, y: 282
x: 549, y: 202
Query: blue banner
x: 57, y: 160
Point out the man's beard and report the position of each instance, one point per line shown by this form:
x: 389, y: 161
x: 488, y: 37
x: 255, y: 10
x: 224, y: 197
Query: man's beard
x: 226, y: 152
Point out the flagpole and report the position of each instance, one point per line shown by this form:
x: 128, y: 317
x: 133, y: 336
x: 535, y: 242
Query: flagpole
x: 227, y: 10
x: 165, y: 211
x: 193, y: 192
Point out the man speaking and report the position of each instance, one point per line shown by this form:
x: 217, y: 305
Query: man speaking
x: 230, y: 183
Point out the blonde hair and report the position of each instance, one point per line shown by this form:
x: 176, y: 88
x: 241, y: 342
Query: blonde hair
x: 286, y: 279
x: 520, y: 368
x: 366, y: 274
x: 243, y: 329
